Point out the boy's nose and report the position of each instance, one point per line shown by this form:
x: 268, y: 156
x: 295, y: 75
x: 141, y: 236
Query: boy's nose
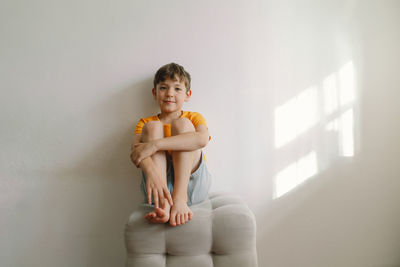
x: 170, y: 91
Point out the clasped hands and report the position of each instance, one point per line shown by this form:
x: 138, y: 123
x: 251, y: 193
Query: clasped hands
x: 156, y: 184
x: 140, y: 151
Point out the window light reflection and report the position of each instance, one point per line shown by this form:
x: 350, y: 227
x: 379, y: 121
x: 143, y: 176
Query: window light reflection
x: 295, y: 174
x: 334, y: 102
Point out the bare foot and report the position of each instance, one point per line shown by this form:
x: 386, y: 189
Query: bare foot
x: 159, y: 215
x: 180, y: 213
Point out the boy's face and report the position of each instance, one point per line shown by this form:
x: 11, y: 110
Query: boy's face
x: 171, y: 94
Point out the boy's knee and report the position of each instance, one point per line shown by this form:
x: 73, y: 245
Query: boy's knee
x: 181, y: 125
x: 153, y: 128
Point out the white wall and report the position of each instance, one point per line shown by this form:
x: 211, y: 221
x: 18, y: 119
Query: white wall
x: 292, y: 91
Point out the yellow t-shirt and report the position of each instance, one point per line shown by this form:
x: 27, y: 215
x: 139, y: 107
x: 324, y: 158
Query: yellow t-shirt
x: 195, y: 117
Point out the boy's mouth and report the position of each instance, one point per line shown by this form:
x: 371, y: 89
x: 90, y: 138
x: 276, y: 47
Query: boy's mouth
x: 168, y: 102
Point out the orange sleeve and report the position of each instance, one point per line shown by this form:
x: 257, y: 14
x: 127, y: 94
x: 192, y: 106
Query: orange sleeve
x: 139, y: 126
x: 197, y: 119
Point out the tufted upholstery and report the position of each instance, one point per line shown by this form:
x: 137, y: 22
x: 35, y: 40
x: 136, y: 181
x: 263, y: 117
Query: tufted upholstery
x: 221, y: 233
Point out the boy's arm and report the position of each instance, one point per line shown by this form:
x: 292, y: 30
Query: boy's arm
x: 146, y: 166
x: 184, y: 142
x: 156, y: 184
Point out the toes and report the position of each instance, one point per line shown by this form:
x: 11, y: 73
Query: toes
x: 157, y: 216
x: 172, y: 220
x: 150, y: 215
x: 160, y: 212
x: 157, y: 220
x: 180, y: 218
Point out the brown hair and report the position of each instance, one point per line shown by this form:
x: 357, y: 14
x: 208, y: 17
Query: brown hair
x: 172, y: 71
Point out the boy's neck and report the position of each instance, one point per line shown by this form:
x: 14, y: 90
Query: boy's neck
x: 167, y: 118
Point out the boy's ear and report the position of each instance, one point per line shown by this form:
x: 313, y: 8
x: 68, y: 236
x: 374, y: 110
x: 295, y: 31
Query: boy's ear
x: 154, y: 91
x: 188, y: 94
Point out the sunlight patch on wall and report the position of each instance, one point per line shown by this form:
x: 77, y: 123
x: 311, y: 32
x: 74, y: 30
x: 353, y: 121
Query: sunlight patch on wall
x: 331, y: 97
x: 326, y: 110
x: 344, y: 127
x: 295, y: 116
x: 295, y: 174
x: 346, y: 80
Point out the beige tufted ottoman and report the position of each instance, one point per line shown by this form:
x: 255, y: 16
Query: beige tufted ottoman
x: 221, y: 233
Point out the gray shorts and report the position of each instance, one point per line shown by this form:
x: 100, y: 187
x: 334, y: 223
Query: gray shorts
x: 199, y: 182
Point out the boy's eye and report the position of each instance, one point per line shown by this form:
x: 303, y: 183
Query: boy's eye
x: 178, y: 89
x: 162, y: 88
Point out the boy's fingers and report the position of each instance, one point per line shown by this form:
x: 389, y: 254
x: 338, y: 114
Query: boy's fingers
x: 133, y: 159
x: 155, y: 197
x: 134, y: 162
x: 161, y: 197
x: 149, y: 195
x: 137, y: 162
x: 168, y: 196
x: 160, y: 192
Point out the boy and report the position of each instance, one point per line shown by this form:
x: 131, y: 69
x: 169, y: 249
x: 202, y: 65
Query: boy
x: 167, y: 147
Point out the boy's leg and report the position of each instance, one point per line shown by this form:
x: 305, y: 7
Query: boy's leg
x: 151, y: 131
x: 185, y: 163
